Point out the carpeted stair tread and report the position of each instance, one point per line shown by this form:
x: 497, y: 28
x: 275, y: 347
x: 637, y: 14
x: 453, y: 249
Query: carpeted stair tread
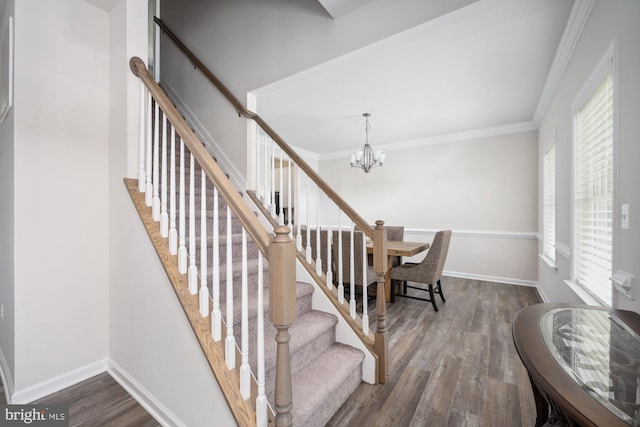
x: 324, y: 384
x: 304, y: 292
x: 311, y: 334
x: 252, y: 272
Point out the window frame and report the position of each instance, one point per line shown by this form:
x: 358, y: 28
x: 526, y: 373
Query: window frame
x: 548, y: 253
x: 608, y: 61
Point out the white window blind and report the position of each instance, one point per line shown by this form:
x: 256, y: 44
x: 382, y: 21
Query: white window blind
x: 549, y: 204
x: 593, y: 190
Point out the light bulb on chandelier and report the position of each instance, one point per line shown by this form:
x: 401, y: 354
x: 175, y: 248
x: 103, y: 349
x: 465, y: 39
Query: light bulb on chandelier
x: 366, y: 158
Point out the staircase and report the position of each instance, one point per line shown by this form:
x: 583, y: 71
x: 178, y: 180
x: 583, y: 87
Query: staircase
x: 274, y: 356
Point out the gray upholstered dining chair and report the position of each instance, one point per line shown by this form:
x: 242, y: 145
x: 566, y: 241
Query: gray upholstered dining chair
x: 428, y: 272
x: 395, y: 232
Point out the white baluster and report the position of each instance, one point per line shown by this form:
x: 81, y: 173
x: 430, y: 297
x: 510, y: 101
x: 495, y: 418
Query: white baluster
x: 329, y: 241
x: 155, y: 206
x: 164, y: 215
x: 142, y: 174
x: 298, y: 235
x: 245, y: 370
x: 318, y: 231
x: 281, y: 193
x: 265, y: 189
x: 230, y: 341
x: 308, y: 248
x: 261, y: 399
x: 216, y: 314
x: 340, y: 272
x: 148, y: 191
x: 182, y: 238
x: 365, y: 289
x: 259, y: 184
x: 204, y: 288
x: 352, y: 276
x: 192, y: 275
x: 289, y: 200
x: 273, y: 180
x: 173, y: 233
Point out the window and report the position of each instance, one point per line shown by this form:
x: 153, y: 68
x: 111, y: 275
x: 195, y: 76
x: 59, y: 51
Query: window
x: 593, y: 116
x: 549, y: 205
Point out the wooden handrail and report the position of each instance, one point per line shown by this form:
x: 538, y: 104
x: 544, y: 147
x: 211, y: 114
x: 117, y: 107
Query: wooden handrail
x: 242, y: 111
x: 229, y: 193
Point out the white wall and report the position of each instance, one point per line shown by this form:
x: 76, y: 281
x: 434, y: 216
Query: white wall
x: 152, y: 348
x: 7, y: 242
x: 60, y: 177
x: 484, y: 189
x: 609, y: 19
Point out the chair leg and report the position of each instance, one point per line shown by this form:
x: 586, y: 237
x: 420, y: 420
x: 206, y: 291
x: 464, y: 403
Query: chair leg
x: 432, y: 298
x: 440, y: 291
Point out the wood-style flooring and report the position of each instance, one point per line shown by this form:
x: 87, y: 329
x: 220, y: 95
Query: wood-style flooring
x: 456, y: 367
x: 100, y: 401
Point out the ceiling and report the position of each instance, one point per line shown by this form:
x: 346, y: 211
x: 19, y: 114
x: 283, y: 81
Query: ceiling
x: 105, y: 5
x: 338, y: 8
x: 480, y: 67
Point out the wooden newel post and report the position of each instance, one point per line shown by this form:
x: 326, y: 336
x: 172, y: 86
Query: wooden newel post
x: 282, y: 311
x: 380, y: 267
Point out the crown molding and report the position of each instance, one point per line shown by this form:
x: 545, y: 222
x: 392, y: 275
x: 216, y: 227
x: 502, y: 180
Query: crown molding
x: 577, y: 20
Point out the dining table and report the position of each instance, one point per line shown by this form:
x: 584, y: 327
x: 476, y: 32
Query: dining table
x: 583, y: 363
x: 397, y: 248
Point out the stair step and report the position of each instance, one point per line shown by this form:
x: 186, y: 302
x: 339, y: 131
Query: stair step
x: 304, y: 294
x: 252, y: 272
x: 236, y: 248
x: 236, y: 225
x: 311, y: 334
x: 324, y: 385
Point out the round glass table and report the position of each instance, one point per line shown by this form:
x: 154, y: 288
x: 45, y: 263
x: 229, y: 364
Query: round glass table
x: 583, y: 363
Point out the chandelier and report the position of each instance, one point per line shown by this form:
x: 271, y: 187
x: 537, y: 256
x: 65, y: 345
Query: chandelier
x: 366, y: 158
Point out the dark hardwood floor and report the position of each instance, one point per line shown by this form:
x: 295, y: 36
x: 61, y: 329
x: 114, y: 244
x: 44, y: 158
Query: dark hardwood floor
x: 456, y: 367
x: 100, y: 401
x: 3, y: 398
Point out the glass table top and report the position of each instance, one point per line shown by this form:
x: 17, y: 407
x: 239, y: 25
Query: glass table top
x: 600, y: 353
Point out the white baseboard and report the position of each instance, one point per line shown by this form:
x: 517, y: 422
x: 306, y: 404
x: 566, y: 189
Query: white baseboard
x: 152, y: 405
x: 6, y: 378
x: 504, y: 280
x: 543, y: 296
x: 58, y: 383
x: 496, y: 279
